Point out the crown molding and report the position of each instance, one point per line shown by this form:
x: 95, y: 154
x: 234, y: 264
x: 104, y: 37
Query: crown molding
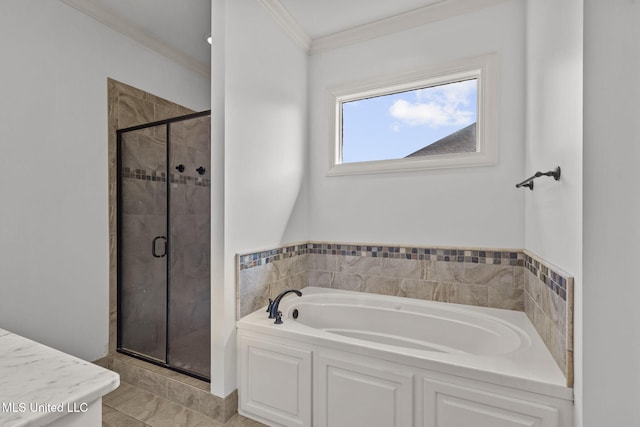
x: 441, y: 10
x: 130, y: 30
x: 288, y: 23
x: 433, y: 12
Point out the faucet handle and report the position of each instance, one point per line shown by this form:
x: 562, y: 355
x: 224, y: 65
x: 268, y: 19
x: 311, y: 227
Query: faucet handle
x: 278, y: 320
x: 270, y: 305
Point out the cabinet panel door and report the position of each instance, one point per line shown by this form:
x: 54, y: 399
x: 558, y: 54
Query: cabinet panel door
x: 449, y: 405
x: 275, y: 382
x: 353, y: 393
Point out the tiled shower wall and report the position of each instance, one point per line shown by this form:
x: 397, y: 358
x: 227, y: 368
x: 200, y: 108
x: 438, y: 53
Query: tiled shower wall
x: 507, y: 279
x: 147, y: 199
x: 127, y: 106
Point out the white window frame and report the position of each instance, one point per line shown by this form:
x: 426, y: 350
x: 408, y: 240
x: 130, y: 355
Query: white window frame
x: 484, y: 68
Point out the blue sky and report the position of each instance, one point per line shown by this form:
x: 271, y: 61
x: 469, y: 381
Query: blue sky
x: 393, y: 126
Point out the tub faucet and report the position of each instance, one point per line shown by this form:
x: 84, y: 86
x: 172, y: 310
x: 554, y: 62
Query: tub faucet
x: 274, y: 313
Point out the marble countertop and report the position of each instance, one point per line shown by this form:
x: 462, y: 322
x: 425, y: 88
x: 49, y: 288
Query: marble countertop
x: 39, y: 385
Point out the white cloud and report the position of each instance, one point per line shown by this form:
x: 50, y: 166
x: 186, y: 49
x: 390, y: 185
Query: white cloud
x: 446, y: 105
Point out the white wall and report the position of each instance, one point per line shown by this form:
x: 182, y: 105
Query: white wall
x: 221, y: 364
x: 611, y: 344
x: 54, y: 254
x: 265, y: 139
x: 462, y: 207
x: 553, y: 211
x: 554, y: 130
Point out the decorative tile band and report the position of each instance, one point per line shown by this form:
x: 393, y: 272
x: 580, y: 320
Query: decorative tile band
x: 556, y: 281
x: 476, y: 256
x: 255, y: 259
x: 142, y: 174
x: 185, y: 179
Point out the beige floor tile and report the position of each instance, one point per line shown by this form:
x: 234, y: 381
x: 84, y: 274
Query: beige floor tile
x: 113, y: 418
x: 154, y: 410
x: 133, y: 401
x: 169, y: 414
x: 239, y: 421
x: 129, y: 406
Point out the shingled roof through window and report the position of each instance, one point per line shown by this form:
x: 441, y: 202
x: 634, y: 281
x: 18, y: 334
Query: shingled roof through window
x: 462, y: 141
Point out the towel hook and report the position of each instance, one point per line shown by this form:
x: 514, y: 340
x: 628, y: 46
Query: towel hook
x: 529, y: 181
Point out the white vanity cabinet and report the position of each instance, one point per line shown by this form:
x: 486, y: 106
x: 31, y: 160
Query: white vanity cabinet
x: 289, y: 383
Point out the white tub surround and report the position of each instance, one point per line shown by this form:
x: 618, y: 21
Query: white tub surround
x: 40, y: 386
x: 510, y: 279
x: 352, y: 358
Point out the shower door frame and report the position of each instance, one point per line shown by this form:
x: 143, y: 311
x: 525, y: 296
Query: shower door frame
x: 119, y: 249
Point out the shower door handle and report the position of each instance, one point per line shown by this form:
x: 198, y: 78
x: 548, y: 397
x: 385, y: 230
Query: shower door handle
x: 153, y: 247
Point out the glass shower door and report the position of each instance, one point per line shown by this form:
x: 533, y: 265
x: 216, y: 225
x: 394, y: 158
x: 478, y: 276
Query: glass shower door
x: 164, y: 286
x: 189, y: 301
x: 143, y: 244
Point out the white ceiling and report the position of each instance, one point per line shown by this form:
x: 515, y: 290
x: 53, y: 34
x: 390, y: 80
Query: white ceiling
x: 319, y: 18
x: 180, y: 24
x: 177, y: 28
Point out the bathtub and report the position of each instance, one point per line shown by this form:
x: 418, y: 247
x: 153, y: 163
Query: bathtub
x: 351, y: 358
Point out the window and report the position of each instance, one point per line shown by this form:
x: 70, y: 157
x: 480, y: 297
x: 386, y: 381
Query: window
x: 431, y: 119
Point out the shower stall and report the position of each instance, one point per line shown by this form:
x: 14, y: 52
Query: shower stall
x: 164, y: 299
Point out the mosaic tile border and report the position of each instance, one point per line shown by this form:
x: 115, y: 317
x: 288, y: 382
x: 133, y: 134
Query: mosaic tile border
x: 554, y: 278
x: 475, y: 256
x: 185, y: 179
x: 141, y: 174
x: 255, y: 259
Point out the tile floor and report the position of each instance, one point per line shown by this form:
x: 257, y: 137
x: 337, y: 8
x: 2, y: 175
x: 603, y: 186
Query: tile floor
x: 129, y: 406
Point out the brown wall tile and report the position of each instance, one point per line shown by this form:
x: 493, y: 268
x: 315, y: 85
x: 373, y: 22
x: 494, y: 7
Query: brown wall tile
x: 445, y: 271
x: 424, y: 289
x: 551, y: 315
x: 133, y: 111
x: 477, y: 295
x: 381, y: 285
x: 348, y: 282
x: 512, y: 299
x: 497, y: 276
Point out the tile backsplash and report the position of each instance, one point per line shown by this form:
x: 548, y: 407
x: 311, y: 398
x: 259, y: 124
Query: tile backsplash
x: 548, y: 302
x: 263, y: 275
x: 508, y: 279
